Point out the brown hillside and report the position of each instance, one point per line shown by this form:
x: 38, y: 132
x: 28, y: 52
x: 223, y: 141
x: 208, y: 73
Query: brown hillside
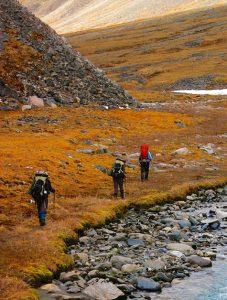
x: 178, y: 52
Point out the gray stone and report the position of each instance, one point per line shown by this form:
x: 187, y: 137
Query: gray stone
x: 104, y: 291
x: 130, y: 268
x: 118, y: 261
x: 26, y: 107
x: 184, y: 248
x: 66, y: 276
x: 181, y: 151
x: 154, y: 265
x: 147, y: 284
x: 35, y: 101
x: 184, y: 223
x: 135, y: 242
x: 199, y: 261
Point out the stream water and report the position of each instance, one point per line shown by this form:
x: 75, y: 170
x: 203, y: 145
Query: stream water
x: 209, y: 284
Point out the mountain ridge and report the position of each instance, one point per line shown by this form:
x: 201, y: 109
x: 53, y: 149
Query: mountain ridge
x: 77, y: 15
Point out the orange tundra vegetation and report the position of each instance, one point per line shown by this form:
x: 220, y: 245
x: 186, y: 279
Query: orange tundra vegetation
x: 49, y: 139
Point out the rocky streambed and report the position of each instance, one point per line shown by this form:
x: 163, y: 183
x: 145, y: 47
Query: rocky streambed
x: 148, y: 251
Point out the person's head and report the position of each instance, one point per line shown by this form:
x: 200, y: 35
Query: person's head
x: 41, y: 173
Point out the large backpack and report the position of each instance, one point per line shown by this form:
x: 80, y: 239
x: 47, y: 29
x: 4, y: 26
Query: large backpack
x: 144, y: 151
x: 117, y: 170
x: 38, y: 188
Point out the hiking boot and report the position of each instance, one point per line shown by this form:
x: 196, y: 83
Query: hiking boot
x: 42, y: 222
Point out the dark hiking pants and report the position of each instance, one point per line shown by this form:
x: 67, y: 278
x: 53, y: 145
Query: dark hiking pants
x: 42, y: 204
x: 118, y: 184
x: 144, y: 170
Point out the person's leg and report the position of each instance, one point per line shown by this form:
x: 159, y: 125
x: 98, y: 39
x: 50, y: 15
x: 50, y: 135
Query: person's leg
x: 142, y: 167
x: 42, y: 212
x: 147, y: 170
x: 121, y: 186
x: 115, y: 187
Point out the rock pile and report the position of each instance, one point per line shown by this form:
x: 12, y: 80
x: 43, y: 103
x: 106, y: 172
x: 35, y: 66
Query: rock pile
x: 145, y: 251
x: 35, y: 61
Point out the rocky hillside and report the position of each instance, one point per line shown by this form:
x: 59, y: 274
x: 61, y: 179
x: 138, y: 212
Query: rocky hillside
x: 74, y: 15
x: 35, y: 61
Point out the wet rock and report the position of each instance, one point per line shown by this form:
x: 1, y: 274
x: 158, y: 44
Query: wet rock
x: 199, y: 261
x: 147, y: 284
x: 104, y: 291
x: 160, y: 276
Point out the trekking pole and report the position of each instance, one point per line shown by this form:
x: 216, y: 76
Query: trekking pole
x: 54, y: 199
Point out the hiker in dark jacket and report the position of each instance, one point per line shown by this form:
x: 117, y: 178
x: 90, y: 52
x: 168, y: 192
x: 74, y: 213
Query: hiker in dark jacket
x: 40, y: 190
x: 144, y: 160
x: 118, y: 174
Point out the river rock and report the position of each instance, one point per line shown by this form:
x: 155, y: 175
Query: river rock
x: 130, y: 268
x: 184, y: 223
x: 148, y: 284
x: 184, y: 248
x: 177, y: 254
x: 104, y: 291
x: 51, y: 288
x: 154, y: 265
x: 135, y: 242
x: 200, y: 261
x: 118, y: 261
x: 83, y: 257
x: 69, y: 276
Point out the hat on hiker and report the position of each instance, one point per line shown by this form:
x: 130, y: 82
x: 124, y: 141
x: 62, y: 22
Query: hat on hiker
x: 122, y: 157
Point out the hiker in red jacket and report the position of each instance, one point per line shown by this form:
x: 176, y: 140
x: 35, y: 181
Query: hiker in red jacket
x: 144, y: 160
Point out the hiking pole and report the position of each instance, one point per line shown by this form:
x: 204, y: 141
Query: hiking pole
x: 54, y: 199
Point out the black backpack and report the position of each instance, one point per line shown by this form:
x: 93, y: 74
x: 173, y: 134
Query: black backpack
x: 117, y: 170
x: 38, y: 190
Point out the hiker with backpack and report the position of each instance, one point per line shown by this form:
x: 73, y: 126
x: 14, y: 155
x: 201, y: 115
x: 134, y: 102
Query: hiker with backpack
x: 144, y: 160
x: 40, y: 190
x: 118, y: 174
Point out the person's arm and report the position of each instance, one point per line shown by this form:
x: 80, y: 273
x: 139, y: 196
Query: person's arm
x: 150, y: 156
x: 51, y: 189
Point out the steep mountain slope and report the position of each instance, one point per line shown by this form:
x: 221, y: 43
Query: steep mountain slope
x: 34, y: 60
x: 186, y: 51
x: 73, y: 15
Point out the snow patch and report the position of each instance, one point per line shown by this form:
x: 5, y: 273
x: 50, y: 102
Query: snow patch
x: 203, y: 92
